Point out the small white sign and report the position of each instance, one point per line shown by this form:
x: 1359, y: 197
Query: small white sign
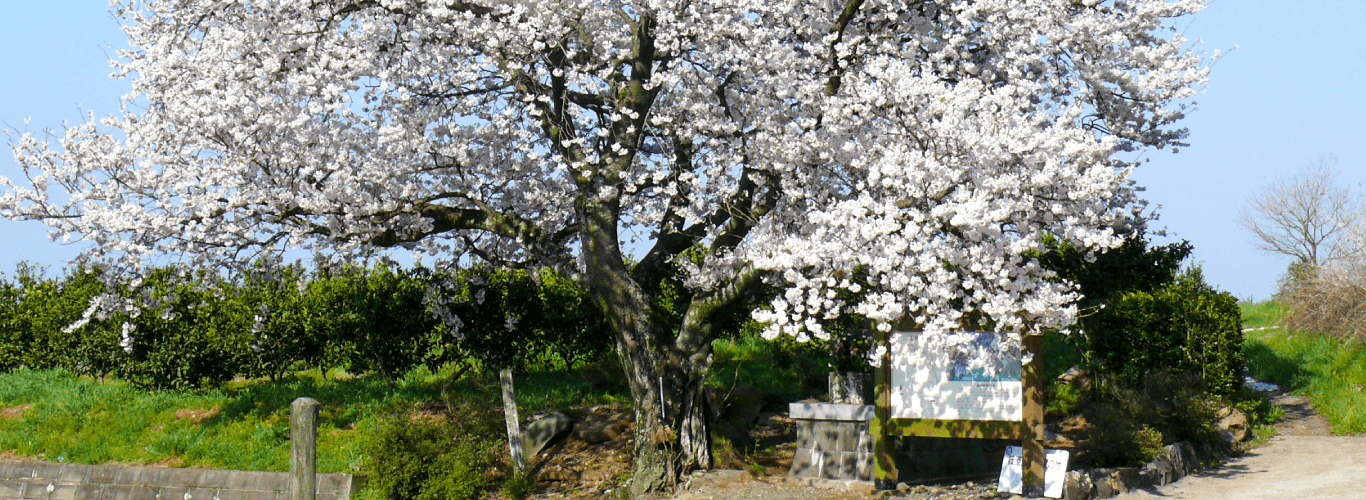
x: 1012, y: 471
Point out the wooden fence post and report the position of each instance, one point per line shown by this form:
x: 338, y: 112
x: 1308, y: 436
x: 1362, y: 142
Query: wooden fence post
x: 885, y: 474
x: 1032, y: 444
x: 510, y: 415
x: 303, y: 457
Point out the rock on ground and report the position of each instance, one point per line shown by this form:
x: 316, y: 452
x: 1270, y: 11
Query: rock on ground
x: 543, y: 431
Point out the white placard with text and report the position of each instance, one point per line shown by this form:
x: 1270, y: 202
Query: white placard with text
x: 1012, y: 470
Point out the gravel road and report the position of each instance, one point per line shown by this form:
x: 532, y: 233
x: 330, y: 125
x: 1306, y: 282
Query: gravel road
x: 1302, y: 462
x: 1290, y: 467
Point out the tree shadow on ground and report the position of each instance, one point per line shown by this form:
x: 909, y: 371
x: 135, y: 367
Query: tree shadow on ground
x: 1266, y: 365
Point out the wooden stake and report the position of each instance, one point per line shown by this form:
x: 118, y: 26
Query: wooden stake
x: 303, y: 449
x: 510, y: 415
x: 1032, y: 443
x: 884, y: 463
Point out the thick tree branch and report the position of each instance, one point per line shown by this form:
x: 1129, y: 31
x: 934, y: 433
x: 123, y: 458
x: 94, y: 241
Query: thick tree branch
x: 832, y: 84
x: 697, y: 322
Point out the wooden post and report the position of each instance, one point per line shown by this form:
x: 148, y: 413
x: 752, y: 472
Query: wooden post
x: 510, y: 415
x: 884, y: 461
x: 1032, y: 444
x: 303, y: 457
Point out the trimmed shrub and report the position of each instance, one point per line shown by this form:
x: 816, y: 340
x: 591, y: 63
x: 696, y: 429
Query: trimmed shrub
x: 1186, y: 326
x: 1129, y: 425
x: 431, y: 458
x: 1133, y: 267
x: 281, y: 324
x: 516, y: 319
x: 1164, y: 346
x: 376, y: 317
x: 12, y: 338
x: 1140, y: 314
x: 191, y: 329
x: 35, y: 314
x: 571, y: 326
x: 189, y: 334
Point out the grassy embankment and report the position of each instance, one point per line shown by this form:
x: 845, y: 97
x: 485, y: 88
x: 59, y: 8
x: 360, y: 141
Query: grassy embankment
x: 1330, y: 371
x: 56, y: 416
x: 242, y: 426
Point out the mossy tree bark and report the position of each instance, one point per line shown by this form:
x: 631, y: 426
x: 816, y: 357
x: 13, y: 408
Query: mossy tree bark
x: 665, y: 358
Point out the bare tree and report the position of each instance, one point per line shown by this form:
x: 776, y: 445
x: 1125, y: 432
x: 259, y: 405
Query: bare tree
x: 1306, y: 216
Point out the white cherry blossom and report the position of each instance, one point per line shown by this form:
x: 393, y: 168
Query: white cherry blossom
x: 913, y: 152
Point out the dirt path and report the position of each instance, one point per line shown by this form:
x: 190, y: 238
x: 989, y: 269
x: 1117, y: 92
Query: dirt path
x: 1302, y: 461
x: 1300, y: 419
x: 740, y: 487
x: 1290, y: 467
x: 764, y: 489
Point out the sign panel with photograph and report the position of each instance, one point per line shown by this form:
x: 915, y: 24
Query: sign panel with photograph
x: 976, y: 378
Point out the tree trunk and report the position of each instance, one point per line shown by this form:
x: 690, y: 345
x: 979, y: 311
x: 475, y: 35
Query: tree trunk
x: 665, y: 370
x: 673, y: 433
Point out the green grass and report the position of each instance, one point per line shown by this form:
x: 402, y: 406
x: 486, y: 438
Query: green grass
x: 82, y: 420
x: 76, y: 419
x: 1330, y: 371
x: 785, y: 369
x: 1262, y: 314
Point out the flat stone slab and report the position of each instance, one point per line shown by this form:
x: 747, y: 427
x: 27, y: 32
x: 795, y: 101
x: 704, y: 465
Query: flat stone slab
x: 830, y: 411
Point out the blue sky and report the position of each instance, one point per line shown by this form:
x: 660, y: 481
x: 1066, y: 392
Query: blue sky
x: 1291, y: 93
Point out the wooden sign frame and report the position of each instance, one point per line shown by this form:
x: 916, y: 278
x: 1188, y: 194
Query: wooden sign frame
x: 1030, y: 430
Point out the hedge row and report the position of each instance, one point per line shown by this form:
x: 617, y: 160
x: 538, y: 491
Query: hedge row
x: 179, y: 329
x: 1141, y: 313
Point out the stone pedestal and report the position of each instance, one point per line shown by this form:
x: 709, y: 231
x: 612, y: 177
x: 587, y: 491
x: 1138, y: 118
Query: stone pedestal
x: 833, y: 441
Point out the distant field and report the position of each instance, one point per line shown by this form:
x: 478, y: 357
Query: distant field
x: 1328, y: 370
x: 1262, y: 314
x: 72, y: 419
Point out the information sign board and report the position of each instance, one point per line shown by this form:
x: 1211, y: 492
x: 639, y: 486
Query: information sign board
x: 928, y: 382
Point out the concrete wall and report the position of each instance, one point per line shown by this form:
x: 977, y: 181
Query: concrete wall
x: 48, y: 481
x: 833, y: 450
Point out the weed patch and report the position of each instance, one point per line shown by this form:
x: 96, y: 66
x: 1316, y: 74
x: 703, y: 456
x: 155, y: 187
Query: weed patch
x: 784, y: 369
x: 447, y: 457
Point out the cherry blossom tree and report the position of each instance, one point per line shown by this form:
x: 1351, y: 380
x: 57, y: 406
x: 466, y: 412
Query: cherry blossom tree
x: 914, y: 153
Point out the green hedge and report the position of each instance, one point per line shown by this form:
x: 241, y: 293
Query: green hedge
x: 190, y: 330
x: 1139, y: 313
x: 1186, y: 326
